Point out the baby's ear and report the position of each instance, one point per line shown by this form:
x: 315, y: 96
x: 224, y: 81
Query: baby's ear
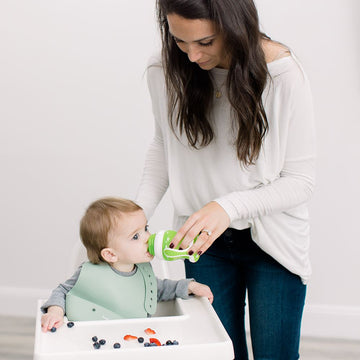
x: 109, y: 255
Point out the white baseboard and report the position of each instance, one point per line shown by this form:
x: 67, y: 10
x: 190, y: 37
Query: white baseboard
x: 330, y: 321
x: 321, y: 321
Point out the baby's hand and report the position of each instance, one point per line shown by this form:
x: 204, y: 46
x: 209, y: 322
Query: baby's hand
x: 53, y: 318
x: 200, y: 290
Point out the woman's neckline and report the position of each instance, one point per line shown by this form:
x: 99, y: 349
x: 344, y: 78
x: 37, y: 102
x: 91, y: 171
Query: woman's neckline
x: 220, y: 71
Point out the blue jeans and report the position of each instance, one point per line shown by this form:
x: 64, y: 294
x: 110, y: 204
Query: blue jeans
x: 233, y: 265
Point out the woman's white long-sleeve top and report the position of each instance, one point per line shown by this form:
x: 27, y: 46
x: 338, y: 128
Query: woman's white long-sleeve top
x: 270, y: 196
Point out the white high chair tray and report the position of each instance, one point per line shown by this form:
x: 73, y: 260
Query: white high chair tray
x: 193, y: 323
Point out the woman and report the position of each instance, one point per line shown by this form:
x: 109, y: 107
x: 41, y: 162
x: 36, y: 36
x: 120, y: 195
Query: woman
x: 234, y: 143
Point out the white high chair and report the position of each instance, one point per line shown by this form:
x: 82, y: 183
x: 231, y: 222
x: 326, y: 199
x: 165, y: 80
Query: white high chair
x: 193, y: 323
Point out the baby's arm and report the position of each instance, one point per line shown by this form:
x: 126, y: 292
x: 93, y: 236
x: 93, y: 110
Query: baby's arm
x: 54, y: 307
x: 200, y: 290
x: 171, y: 289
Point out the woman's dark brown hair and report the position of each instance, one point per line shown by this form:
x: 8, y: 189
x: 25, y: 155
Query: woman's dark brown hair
x: 190, y: 89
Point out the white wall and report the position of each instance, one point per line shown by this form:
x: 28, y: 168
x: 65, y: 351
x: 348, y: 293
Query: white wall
x: 76, y: 121
x: 325, y: 35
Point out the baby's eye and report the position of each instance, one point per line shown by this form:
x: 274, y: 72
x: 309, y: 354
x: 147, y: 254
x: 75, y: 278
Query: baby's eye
x: 136, y: 236
x: 146, y: 228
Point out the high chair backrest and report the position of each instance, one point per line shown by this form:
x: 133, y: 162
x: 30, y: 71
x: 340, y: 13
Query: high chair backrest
x: 163, y: 269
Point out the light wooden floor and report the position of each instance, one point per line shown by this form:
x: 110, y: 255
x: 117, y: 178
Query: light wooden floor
x: 17, y: 343
x: 16, y: 338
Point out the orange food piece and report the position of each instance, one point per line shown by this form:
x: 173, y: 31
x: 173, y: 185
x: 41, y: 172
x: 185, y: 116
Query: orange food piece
x: 150, y: 331
x: 130, y: 337
x: 155, y: 341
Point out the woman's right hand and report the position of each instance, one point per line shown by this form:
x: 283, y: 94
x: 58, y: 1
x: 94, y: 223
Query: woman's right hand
x: 208, y: 224
x: 53, y: 318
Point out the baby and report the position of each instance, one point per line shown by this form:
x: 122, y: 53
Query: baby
x: 118, y: 281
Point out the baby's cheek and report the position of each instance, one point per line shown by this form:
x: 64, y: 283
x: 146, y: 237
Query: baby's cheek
x: 138, y: 251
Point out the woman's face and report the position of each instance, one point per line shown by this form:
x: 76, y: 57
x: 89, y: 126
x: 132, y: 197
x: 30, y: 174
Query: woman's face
x: 199, y: 39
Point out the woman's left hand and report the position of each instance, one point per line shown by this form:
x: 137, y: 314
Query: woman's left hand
x: 210, y: 222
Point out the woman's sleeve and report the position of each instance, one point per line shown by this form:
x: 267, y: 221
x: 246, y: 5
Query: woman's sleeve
x: 154, y: 181
x: 295, y: 183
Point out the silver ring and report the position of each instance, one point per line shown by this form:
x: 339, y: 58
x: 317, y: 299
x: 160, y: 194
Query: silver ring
x: 209, y: 232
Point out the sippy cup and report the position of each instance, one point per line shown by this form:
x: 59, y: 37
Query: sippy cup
x: 159, y: 247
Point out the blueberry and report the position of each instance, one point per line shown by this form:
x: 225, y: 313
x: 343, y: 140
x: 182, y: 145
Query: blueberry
x: 53, y: 329
x: 169, y: 342
x: 94, y: 339
x: 102, y: 342
x: 70, y: 324
x: 96, y: 345
x: 153, y: 344
x: 140, y: 340
x: 146, y: 344
x: 117, y: 346
x: 175, y: 342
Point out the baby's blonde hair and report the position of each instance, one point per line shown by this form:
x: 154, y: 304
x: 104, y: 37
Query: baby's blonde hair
x: 97, y: 222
